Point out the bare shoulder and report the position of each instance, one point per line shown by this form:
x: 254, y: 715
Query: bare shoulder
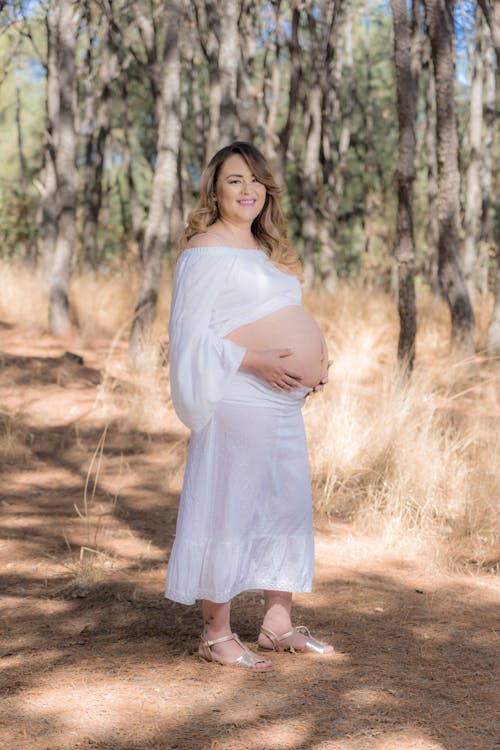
x: 204, y: 239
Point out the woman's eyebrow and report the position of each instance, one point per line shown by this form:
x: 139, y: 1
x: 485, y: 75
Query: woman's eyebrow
x: 237, y: 175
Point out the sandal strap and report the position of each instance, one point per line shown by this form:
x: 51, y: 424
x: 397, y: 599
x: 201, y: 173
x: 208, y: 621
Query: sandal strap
x: 276, y: 639
x: 303, y: 629
x: 232, y: 637
x: 247, y: 659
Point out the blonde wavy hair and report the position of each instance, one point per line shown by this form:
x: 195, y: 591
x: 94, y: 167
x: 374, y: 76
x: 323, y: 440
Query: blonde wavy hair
x: 268, y: 227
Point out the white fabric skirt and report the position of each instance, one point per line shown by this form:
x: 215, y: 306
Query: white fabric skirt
x: 245, y: 514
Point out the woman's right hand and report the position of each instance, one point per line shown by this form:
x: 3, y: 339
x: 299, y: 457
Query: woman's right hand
x: 270, y: 366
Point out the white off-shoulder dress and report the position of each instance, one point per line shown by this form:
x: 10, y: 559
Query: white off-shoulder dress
x: 245, y: 513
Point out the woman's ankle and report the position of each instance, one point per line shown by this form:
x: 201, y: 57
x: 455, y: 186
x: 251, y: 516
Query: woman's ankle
x: 212, y: 634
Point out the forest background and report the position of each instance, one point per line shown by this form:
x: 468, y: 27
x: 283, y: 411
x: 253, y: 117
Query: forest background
x: 379, y: 120
x: 111, y: 109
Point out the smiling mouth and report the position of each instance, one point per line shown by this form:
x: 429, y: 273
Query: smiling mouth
x: 249, y: 202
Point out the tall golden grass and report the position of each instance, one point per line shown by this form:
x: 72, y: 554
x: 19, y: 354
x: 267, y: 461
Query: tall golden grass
x: 416, y: 461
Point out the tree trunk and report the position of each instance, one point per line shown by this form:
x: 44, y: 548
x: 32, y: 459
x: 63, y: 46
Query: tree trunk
x: 65, y: 140
x: 229, y: 52
x: 491, y: 10
x: 310, y: 182
x: 485, y: 239
x: 271, y: 99
x: 293, y: 91
x: 336, y: 137
x: 404, y: 249
x: 164, y: 186
x: 134, y: 206
x: 322, y: 29
x: 370, y: 158
x: 430, y: 151
x: 20, y: 141
x: 440, y: 30
x: 250, y: 112
x: 47, y: 209
x: 209, y: 33
x: 96, y: 146
x: 470, y: 254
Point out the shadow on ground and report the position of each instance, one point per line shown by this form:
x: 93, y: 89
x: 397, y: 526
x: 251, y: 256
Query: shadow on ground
x: 94, y: 657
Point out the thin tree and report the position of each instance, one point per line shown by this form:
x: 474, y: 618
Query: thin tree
x: 470, y: 250
x: 65, y: 163
x: 336, y: 136
x: 217, y: 25
x: 98, y: 100
x: 490, y: 122
x: 164, y: 184
x: 294, y: 90
x: 47, y: 209
x: 229, y: 52
x: 322, y: 23
x: 439, y: 17
x: 491, y: 10
x: 404, y: 249
x: 430, y: 159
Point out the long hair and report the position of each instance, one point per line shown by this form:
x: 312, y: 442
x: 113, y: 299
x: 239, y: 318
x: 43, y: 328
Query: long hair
x: 268, y: 227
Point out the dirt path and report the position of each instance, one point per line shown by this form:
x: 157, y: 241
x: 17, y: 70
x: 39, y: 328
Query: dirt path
x: 92, y: 656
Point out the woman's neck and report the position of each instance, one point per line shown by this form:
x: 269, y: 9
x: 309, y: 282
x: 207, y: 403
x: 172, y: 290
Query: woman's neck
x: 234, y: 233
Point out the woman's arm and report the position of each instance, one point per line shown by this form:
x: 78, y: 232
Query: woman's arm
x: 201, y: 363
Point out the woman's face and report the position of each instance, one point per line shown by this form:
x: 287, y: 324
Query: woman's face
x: 240, y: 197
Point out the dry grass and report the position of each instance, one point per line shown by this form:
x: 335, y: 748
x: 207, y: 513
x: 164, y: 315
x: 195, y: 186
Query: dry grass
x: 418, y: 460
x: 14, y: 440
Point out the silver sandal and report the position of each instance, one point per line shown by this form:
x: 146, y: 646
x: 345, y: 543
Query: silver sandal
x: 311, y: 646
x: 248, y: 659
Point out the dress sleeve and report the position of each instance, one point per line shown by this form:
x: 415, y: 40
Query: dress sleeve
x: 201, y: 362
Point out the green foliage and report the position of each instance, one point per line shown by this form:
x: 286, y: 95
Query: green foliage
x: 17, y: 222
x: 366, y: 212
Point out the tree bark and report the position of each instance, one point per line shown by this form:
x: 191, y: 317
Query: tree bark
x: 20, y: 141
x: 430, y: 150
x: 440, y: 30
x: 404, y: 249
x: 229, y: 52
x: 470, y: 250
x: 336, y: 137
x: 65, y: 163
x: 47, y: 209
x: 271, y: 99
x: 321, y: 33
x: 164, y: 186
x: 134, y: 206
x: 209, y: 33
x: 491, y: 10
x: 96, y: 141
x: 485, y: 239
x: 250, y: 113
x: 293, y: 91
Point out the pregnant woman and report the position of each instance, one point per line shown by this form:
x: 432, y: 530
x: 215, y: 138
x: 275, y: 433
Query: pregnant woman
x: 244, y: 354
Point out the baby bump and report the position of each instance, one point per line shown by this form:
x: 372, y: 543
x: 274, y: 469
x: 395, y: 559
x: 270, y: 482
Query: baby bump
x: 289, y: 328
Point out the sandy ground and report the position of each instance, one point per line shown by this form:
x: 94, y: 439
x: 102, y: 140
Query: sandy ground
x: 93, y: 656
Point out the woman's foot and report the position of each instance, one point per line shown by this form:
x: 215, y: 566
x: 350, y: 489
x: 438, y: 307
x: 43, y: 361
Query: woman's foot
x: 295, y: 639
x: 230, y: 651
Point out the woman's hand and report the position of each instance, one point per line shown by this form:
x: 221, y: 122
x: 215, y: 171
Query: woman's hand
x: 270, y: 366
x: 324, y: 379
